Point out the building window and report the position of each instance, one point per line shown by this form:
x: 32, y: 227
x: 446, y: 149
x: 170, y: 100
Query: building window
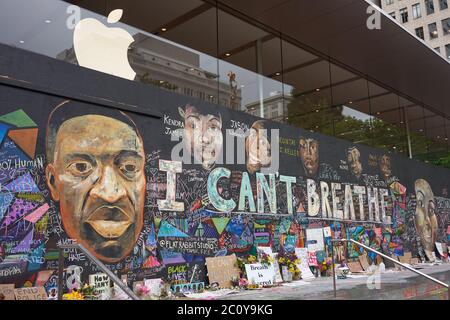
x: 443, y: 4
x: 446, y: 26
x: 429, y: 4
x: 419, y: 33
x: 447, y: 51
x: 392, y: 14
x: 432, y: 28
x: 388, y: 2
x: 417, y: 13
x: 404, y: 14
x: 438, y: 49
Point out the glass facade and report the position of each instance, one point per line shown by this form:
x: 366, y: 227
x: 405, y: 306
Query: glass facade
x: 193, y: 48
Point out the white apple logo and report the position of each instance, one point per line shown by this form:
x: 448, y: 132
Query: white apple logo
x: 103, y: 49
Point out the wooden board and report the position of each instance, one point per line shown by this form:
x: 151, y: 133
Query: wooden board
x: 406, y: 258
x: 8, y: 291
x: 355, y: 267
x: 364, y: 262
x: 33, y: 293
x: 222, y: 269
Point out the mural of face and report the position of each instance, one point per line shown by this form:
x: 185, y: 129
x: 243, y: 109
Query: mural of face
x: 425, y: 217
x: 203, y: 134
x: 309, y: 154
x: 353, y: 159
x: 385, y: 166
x: 257, y: 148
x: 97, y: 175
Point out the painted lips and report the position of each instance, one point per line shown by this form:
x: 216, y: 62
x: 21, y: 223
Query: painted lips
x: 109, y: 221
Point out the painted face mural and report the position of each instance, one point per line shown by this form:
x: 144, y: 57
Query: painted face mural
x: 257, y: 148
x: 309, y: 154
x: 203, y: 134
x: 425, y: 218
x: 385, y: 166
x: 96, y: 172
x: 354, y: 163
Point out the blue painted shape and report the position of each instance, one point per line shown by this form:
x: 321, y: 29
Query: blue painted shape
x: 3, y: 131
x: 235, y: 226
x: 168, y: 230
x: 209, y: 231
x: 35, y: 258
x: 170, y: 257
x: 5, y: 201
x: 24, y: 183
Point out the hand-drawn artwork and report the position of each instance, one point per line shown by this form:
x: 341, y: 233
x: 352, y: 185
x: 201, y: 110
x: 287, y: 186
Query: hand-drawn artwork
x: 309, y: 155
x: 257, y: 148
x: 203, y: 135
x: 96, y: 172
x: 425, y: 218
x: 354, y: 162
x: 385, y: 166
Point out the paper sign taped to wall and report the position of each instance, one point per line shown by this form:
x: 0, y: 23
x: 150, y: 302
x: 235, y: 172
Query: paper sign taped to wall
x: 315, y: 239
x: 261, y: 274
x: 8, y: 291
x: 33, y: 293
x: 222, y: 269
x: 327, y: 232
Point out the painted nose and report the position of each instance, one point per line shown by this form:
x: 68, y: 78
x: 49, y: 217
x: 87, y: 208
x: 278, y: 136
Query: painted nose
x: 108, y: 187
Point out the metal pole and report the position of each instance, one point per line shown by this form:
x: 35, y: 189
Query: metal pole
x: 332, y: 265
x: 60, y: 273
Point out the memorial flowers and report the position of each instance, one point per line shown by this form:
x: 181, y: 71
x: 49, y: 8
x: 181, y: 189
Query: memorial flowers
x: 290, y: 260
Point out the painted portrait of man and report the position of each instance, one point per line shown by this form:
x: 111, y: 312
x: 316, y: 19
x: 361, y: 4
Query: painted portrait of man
x: 203, y: 135
x: 385, y: 166
x: 309, y: 155
x: 425, y: 217
x: 354, y: 162
x: 257, y: 148
x: 95, y: 170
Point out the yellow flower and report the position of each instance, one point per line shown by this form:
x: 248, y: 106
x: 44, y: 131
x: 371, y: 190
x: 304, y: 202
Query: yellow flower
x: 74, y: 295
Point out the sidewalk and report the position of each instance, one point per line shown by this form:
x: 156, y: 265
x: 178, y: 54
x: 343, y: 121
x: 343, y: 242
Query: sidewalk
x: 393, y: 285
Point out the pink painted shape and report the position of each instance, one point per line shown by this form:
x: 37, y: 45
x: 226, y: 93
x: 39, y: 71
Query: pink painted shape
x: 37, y: 214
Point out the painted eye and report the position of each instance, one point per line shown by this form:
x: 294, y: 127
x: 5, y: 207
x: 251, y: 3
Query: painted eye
x: 129, y: 169
x: 80, y: 168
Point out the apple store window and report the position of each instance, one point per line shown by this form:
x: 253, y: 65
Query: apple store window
x: 432, y: 28
x: 446, y: 26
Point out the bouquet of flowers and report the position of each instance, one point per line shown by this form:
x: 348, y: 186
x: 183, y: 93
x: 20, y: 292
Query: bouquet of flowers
x: 289, y: 260
x: 265, y: 258
x: 73, y: 295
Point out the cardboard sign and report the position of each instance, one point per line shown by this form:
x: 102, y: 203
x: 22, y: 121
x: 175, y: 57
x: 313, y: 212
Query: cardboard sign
x: 100, y: 282
x: 302, y: 255
x: 8, y: 291
x: 261, y: 274
x: 364, y: 262
x: 33, y: 293
x: 222, y: 269
x: 355, y: 267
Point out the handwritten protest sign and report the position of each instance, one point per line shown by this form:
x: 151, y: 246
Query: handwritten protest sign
x: 33, y: 293
x: 7, y: 290
x: 222, y: 269
x: 260, y: 274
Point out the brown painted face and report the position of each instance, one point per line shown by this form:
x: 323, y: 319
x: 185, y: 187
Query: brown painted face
x: 97, y: 175
x: 353, y: 156
x: 425, y: 219
x: 309, y: 154
x: 385, y: 166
